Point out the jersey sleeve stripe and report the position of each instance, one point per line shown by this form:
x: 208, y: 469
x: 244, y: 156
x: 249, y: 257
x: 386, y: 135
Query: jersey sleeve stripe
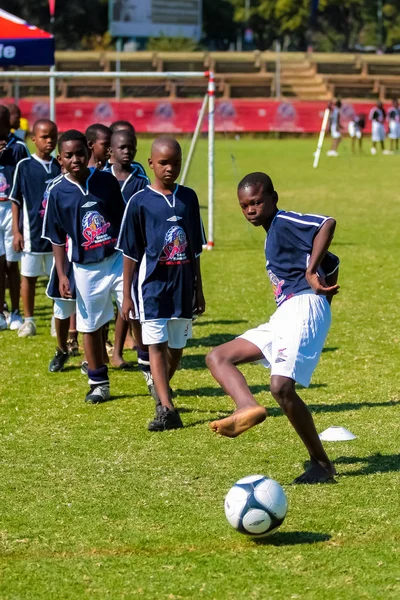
x: 303, y: 222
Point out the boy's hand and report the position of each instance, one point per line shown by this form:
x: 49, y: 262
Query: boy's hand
x: 127, y: 308
x: 318, y: 285
x: 18, y: 242
x: 64, y: 288
x: 200, y: 303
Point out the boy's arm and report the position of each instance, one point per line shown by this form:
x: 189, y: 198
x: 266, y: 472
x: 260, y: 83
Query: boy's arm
x: 127, y: 303
x: 59, y: 259
x: 200, y: 303
x: 321, y: 244
x: 18, y: 241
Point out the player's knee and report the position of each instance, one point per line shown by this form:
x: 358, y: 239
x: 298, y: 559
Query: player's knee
x: 282, y: 389
x: 214, y: 358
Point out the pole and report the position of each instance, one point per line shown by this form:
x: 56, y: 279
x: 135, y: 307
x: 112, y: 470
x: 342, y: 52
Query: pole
x: 52, y: 93
x: 211, y: 125
x: 278, y: 70
x: 118, y: 69
x: 380, y: 25
x: 321, y: 137
x: 194, y: 139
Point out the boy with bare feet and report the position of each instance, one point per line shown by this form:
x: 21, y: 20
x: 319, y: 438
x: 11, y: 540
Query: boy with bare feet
x: 303, y: 277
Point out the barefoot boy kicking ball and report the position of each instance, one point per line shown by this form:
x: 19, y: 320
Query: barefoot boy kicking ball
x: 303, y: 277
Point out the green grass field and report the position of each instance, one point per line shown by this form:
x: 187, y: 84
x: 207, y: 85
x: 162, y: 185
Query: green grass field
x: 94, y: 507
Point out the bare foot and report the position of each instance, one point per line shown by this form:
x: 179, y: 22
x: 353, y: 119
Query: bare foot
x: 316, y: 473
x: 239, y: 421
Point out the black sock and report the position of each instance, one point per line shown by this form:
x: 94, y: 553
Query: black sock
x: 143, y: 360
x: 98, y: 376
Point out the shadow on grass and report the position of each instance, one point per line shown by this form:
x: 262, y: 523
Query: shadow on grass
x: 200, y: 322
x: 292, y: 538
x: 342, y: 407
x: 215, y: 391
x: 214, y: 339
x: 376, y: 463
x: 330, y: 349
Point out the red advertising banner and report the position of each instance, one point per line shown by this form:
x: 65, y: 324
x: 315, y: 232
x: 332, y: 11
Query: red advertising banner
x: 180, y: 116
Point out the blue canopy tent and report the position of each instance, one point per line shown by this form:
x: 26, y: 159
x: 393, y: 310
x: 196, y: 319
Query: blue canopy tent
x: 23, y: 44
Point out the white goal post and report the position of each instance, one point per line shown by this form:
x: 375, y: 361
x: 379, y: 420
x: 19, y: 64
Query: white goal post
x: 52, y: 75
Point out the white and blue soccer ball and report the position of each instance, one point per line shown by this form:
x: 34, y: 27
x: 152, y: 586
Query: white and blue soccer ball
x: 256, y: 505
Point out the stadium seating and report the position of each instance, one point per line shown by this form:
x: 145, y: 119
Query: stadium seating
x: 308, y: 76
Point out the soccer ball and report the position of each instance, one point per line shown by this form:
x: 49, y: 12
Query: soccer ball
x: 256, y: 505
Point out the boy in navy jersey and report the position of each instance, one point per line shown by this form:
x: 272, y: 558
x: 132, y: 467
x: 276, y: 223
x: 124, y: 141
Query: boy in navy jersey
x: 12, y: 150
x: 303, y: 277
x: 98, y: 137
x: 126, y: 126
x: 87, y: 206
x: 31, y: 179
x: 131, y: 180
x: 161, y: 238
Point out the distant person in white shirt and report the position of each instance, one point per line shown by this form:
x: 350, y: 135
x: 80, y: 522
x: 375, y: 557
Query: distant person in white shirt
x: 356, y: 129
x: 377, y: 117
x: 335, y: 128
x: 394, y: 125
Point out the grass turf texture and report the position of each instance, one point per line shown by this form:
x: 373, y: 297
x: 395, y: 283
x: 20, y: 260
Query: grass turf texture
x: 94, y: 506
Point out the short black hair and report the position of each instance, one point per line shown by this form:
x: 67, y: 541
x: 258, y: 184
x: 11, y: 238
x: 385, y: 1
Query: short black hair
x: 257, y: 178
x: 72, y: 135
x: 43, y: 122
x: 122, y: 133
x: 93, y: 131
x: 122, y: 125
x: 338, y: 103
x: 4, y: 112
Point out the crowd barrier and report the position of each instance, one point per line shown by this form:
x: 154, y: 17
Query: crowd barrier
x: 176, y: 117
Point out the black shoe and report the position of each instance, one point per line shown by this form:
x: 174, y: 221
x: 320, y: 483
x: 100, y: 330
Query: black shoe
x: 165, y: 419
x: 98, y: 393
x: 58, y: 361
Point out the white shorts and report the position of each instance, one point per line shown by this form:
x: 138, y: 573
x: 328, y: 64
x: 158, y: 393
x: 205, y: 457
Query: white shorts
x: 354, y: 131
x: 293, y: 338
x: 378, y: 131
x: 6, y: 236
x: 394, y: 130
x: 335, y: 133
x: 63, y: 308
x: 174, y: 331
x: 97, y: 285
x: 35, y: 265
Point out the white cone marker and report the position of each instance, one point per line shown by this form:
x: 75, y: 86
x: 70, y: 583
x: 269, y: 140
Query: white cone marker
x: 336, y: 434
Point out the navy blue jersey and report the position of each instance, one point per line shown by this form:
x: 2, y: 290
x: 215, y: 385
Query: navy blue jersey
x: 288, y: 248
x: 31, y: 179
x: 90, y: 215
x: 132, y: 184
x: 137, y: 166
x: 164, y: 234
x: 14, y: 151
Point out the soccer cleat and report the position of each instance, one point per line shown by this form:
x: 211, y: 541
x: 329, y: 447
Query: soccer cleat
x: 3, y: 322
x: 15, y: 320
x: 165, y: 419
x: 58, y: 361
x: 72, y: 347
x: 27, y: 329
x: 373, y: 150
x: 98, y: 393
x: 84, y: 367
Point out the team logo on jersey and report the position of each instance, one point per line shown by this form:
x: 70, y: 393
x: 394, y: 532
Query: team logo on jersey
x: 174, y: 218
x: 94, y: 229
x: 4, y: 186
x: 175, y: 245
x: 277, y: 285
x: 89, y: 204
x: 44, y: 203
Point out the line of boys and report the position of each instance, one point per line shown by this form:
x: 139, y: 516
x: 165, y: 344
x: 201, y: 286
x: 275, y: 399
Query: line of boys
x: 378, y: 117
x: 161, y: 235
